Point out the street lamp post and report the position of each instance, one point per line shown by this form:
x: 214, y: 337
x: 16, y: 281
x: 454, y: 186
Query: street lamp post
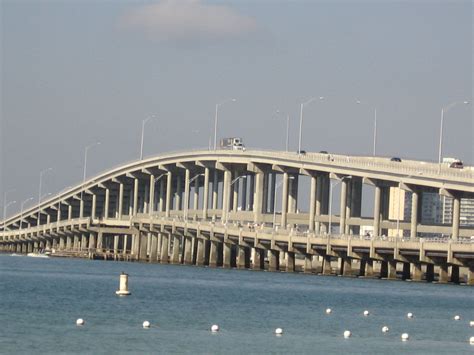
x: 303, y: 104
x: 39, y: 192
x: 86, y: 150
x: 330, y: 200
x: 5, y: 203
x: 375, y: 129
x: 5, y: 213
x: 21, y: 211
x: 443, y: 110
x: 143, y: 134
x: 216, y: 118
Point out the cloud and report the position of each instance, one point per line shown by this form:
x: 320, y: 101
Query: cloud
x: 189, y: 20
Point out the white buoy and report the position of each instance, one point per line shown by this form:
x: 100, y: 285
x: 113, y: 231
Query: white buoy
x: 409, y: 315
x: 146, y: 324
x: 456, y: 317
x: 471, y: 323
x: 278, y: 331
x: 123, y: 286
x: 80, y: 322
x: 328, y: 310
x: 385, y: 329
x: 214, y: 328
x: 471, y: 340
x: 347, y: 334
x: 366, y: 313
x: 405, y: 337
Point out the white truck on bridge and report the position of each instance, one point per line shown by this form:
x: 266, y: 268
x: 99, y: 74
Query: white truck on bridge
x: 233, y: 143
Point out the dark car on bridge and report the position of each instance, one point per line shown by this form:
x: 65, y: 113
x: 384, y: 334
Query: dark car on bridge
x: 396, y: 159
x: 456, y: 164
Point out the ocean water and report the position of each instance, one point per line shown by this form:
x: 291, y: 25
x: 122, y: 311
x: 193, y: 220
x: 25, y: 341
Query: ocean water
x: 40, y: 300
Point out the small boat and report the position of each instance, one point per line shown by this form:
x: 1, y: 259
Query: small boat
x: 38, y: 255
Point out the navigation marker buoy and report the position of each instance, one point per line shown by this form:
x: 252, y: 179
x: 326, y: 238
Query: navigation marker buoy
x: 410, y: 315
x: 328, y: 311
x: 366, y: 313
x: 385, y: 329
x: 471, y: 323
x: 456, y: 317
x: 214, y: 328
x: 123, y: 286
x: 146, y: 324
x: 405, y: 337
x: 347, y: 334
x: 471, y: 341
x: 80, y: 322
x: 278, y: 331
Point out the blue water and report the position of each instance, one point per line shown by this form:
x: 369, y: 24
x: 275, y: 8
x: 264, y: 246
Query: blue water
x: 40, y: 300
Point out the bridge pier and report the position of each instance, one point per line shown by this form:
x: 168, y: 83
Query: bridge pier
x: 308, y: 264
x: 470, y: 274
x: 243, y: 257
x: 346, y: 266
x: 429, y: 272
x: 369, y: 268
x: 226, y: 255
x: 188, y: 257
x: 443, y: 273
x: 164, y: 254
x: 258, y: 259
x: 416, y: 272
x: 273, y: 260
x: 200, y: 252
x: 154, y: 247
x: 392, y: 270
x: 327, y: 269
x: 175, y: 256
x: 213, y: 254
x: 142, y: 241
x: 290, y: 262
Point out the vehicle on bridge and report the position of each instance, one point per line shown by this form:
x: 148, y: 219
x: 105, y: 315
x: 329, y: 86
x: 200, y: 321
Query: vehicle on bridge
x: 233, y: 143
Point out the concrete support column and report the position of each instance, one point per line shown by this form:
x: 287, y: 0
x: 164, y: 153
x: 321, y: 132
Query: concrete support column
x: 135, y: 196
x: 178, y: 192
x: 76, y: 242
x: 116, y: 245
x: 94, y: 206
x: 196, y: 193
x: 235, y: 190
x: 377, y: 203
x: 120, y: 201
x: 244, y: 193
x: 369, y: 268
x: 106, y: 203
x: 213, y: 254
x: 284, y: 200
x: 188, y: 256
x: 68, y: 243
x: 258, y: 259
x: 151, y: 195
x: 125, y: 245
x: 348, y: 202
x: 392, y: 269
x: 308, y: 264
x: 455, y: 274
x: 258, y: 197
x: 429, y: 272
x: 226, y: 195
x: 162, y: 196
x: 318, y: 202
x: 327, y: 269
x: 81, y: 206
x: 226, y: 256
x: 175, y: 257
x: 343, y: 206
x: 142, y: 246
x: 456, y: 216
x: 290, y: 262
x: 154, y: 248
x: 293, y: 194
x: 414, y: 214
x: 312, y: 203
x: 200, y: 254
x: 251, y: 192
x: 187, y: 188
x: 346, y: 266
x: 215, y: 190
x: 416, y: 272
x: 205, y: 200
x: 325, y: 183
x: 164, y: 255
x: 241, y: 257
x: 169, y: 185
x: 265, y: 193
x: 470, y: 274
x: 273, y: 260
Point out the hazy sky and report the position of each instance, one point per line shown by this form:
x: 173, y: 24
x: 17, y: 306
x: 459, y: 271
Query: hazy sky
x: 77, y: 72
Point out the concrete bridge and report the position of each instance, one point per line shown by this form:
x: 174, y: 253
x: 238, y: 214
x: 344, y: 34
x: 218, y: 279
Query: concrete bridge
x: 241, y: 209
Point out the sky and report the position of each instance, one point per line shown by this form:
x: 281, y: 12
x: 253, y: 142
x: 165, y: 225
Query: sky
x: 78, y: 72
